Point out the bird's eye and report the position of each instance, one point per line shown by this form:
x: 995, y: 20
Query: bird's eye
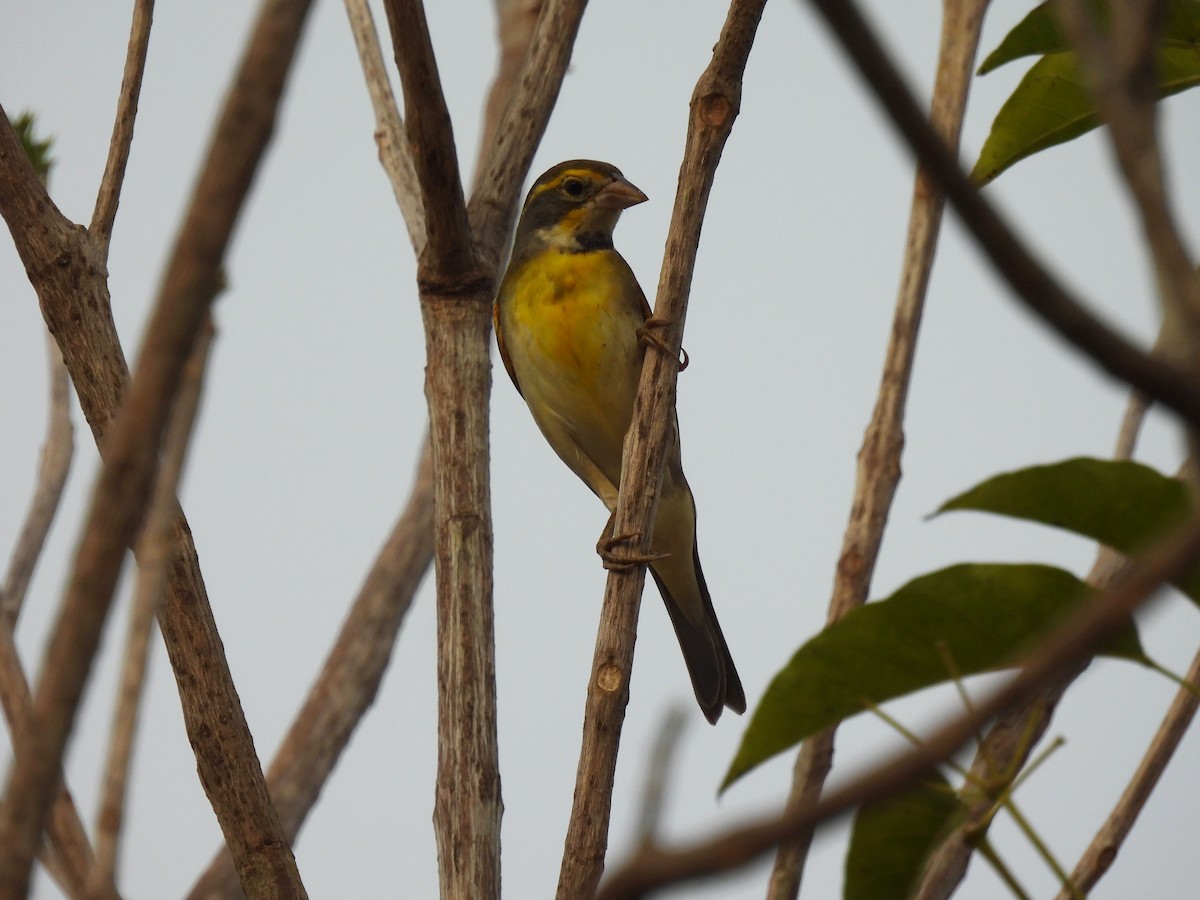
x: 573, y: 187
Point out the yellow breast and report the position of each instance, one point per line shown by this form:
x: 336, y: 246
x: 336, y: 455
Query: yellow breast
x: 569, y: 324
x: 567, y: 312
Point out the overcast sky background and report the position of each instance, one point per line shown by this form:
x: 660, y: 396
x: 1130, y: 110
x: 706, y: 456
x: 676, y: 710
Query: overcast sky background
x: 314, y: 413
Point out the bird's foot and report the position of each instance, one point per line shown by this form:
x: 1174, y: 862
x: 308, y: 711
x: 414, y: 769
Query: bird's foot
x: 612, y: 560
x: 649, y: 336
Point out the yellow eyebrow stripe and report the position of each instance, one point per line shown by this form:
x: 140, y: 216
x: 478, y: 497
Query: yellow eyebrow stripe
x: 585, y: 174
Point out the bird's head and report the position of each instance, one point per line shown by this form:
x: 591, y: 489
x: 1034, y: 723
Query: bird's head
x: 575, y: 206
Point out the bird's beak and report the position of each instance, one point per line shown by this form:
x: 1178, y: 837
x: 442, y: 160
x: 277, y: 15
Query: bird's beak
x: 619, y: 194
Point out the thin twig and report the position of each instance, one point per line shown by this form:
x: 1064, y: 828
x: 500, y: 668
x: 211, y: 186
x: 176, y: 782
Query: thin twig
x: 395, y: 153
x: 1073, y: 640
x: 878, y: 470
x: 1030, y: 280
x: 504, y: 162
x: 1121, y: 84
x: 156, y: 551
x: 715, y: 104
x: 70, y: 850
x: 57, y: 449
x: 1103, y: 849
x: 1121, y: 74
x: 654, y: 793
x: 130, y: 451
x: 109, y: 194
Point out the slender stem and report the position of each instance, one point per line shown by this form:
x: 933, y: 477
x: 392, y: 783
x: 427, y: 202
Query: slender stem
x: 109, y: 194
x: 506, y: 156
x: 1003, y: 871
x: 654, y: 793
x: 70, y: 852
x: 878, y: 471
x: 653, y: 868
x: 57, y: 449
x: 1103, y: 849
x: 395, y: 153
x: 1121, y: 74
x: 1031, y: 281
x: 715, y: 104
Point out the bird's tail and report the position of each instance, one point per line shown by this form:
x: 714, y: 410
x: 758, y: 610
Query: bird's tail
x: 714, y: 678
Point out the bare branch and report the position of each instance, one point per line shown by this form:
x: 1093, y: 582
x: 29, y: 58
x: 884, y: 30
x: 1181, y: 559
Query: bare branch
x: 57, y: 450
x: 349, y: 679
x: 264, y: 858
x: 714, y: 106
x: 395, y: 153
x: 516, y: 22
x: 1070, y: 642
x: 118, y: 150
x: 505, y: 160
x: 156, y: 551
x: 1031, y: 281
x: 70, y: 854
x: 448, y: 245
x: 659, y: 768
x: 1103, y: 849
x: 879, y: 458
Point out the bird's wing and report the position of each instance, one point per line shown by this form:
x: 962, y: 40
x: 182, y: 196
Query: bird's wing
x: 500, y: 342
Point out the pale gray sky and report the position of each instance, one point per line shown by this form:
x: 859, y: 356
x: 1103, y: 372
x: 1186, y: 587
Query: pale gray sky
x: 314, y: 413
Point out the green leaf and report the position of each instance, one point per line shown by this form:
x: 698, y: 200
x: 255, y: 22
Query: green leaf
x: 977, y: 615
x: 1052, y: 105
x: 890, y: 840
x: 1123, y: 504
x: 1039, y: 33
x: 38, y: 151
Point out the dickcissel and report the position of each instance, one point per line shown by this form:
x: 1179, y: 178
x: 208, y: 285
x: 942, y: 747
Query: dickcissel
x: 569, y: 317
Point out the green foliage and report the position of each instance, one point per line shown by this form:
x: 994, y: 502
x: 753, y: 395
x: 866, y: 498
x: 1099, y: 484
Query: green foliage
x: 958, y: 621
x: 37, y: 151
x: 1052, y: 105
x: 1123, y: 504
x: 891, y: 839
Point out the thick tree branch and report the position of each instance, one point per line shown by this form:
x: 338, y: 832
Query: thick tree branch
x: 456, y: 293
x: 350, y: 677
x: 878, y: 470
x: 714, y: 106
x: 1032, y: 283
x: 109, y: 194
x: 448, y: 245
x: 1070, y: 642
x: 156, y: 550
x: 64, y: 267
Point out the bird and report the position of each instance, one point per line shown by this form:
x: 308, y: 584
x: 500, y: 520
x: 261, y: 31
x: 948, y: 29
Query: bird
x: 570, y: 318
